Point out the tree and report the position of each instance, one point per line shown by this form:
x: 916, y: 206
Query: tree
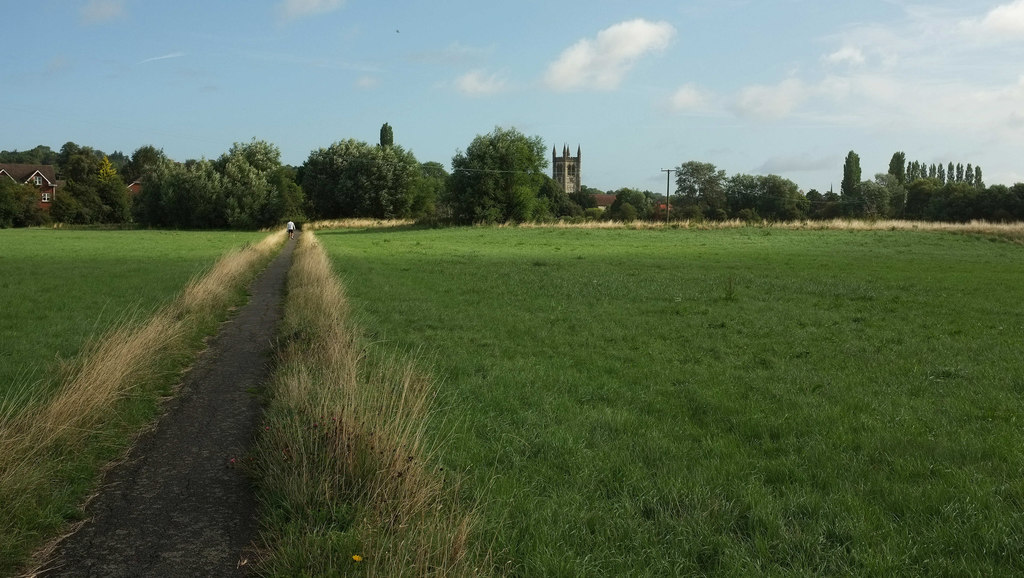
x: 978, y: 181
x: 144, y: 157
x: 895, y: 198
x: 702, y: 184
x: 741, y: 193
x: 353, y: 179
x: 641, y: 205
x: 186, y: 195
x: 850, y: 189
x: 77, y: 163
x: 106, y: 170
x: 41, y: 155
x: 19, y: 206
x: 429, y: 186
x: 244, y: 188
x: 897, y: 166
x: 112, y: 193
x: 919, y: 197
x: 292, y: 198
x: 830, y: 206
x: 249, y: 200
x: 498, y: 178
x: 780, y: 199
x: 553, y: 202
x: 584, y: 197
x: 387, y: 135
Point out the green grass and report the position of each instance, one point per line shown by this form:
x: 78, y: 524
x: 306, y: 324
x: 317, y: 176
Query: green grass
x: 722, y: 402
x: 60, y: 287
x: 65, y: 293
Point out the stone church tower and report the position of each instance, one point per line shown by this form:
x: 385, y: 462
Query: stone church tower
x: 566, y: 169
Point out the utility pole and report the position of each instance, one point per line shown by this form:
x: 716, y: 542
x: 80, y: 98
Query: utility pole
x: 668, y: 182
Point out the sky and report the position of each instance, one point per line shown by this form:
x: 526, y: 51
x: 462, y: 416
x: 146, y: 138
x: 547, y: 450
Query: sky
x: 784, y: 87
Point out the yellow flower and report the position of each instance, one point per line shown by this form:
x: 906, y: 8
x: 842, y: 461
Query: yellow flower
x: 357, y: 557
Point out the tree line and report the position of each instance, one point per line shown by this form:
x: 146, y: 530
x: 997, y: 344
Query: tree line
x: 501, y: 176
x: 914, y: 190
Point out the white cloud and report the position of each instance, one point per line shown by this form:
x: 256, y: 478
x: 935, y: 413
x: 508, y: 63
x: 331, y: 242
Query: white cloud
x: 690, y: 98
x: 367, y: 82
x: 932, y: 70
x: 601, y: 63
x: 1007, y: 18
x: 299, y: 8
x: 846, y: 55
x: 479, y: 83
x: 99, y: 11
x: 164, y: 57
x: 771, y: 102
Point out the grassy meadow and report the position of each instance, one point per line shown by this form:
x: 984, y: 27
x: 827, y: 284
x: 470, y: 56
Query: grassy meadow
x: 739, y: 401
x: 58, y: 288
x: 97, y: 326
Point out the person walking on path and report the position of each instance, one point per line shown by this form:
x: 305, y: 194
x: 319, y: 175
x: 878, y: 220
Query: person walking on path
x: 291, y: 229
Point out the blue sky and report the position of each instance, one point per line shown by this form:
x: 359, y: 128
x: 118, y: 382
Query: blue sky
x: 771, y: 86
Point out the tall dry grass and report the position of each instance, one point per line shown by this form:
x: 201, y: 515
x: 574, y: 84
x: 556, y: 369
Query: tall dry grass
x: 357, y: 224
x: 34, y: 438
x: 345, y: 466
x: 1008, y: 230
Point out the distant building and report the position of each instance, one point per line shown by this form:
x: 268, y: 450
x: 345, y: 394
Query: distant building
x: 43, y: 177
x: 566, y: 169
x: 603, y: 200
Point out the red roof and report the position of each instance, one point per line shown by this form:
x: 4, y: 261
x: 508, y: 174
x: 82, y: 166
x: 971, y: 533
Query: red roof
x: 23, y: 173
x: 604, y: 200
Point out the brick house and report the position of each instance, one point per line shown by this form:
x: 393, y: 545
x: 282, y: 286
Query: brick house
x: 604, y: 201
x: 43, y: 177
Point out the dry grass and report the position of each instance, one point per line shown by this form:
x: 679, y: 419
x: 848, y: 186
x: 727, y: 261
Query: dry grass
x: 358, y: 224
x: 107, y: 370
x: 1011, y: 231
x: 344, y: 456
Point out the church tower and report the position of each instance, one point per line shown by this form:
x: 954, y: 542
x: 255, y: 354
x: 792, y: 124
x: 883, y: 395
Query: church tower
x: 566, y: 169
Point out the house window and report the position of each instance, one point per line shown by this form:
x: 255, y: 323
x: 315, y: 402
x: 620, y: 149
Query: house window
x: 46, y: 197
x: 39, y: 181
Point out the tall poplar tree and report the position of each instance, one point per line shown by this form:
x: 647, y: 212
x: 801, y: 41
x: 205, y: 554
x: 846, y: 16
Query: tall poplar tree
x: 851, y: 176
x: 897, y: 166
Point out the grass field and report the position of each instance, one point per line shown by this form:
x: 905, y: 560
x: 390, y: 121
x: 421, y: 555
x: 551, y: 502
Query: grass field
x: 118, y: 315
x: 742, y: 401
x: 59, y: 287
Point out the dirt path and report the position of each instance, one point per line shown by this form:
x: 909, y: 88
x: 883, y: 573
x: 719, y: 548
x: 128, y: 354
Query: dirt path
x: 177, y: 506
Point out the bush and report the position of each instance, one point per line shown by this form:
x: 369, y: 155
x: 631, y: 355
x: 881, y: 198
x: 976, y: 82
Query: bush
x: 748, y: 216
x: 627, y: 213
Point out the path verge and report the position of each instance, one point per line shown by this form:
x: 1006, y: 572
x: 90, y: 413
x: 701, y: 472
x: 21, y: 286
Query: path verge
x: 348, y: 476
x: 177, y: 505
